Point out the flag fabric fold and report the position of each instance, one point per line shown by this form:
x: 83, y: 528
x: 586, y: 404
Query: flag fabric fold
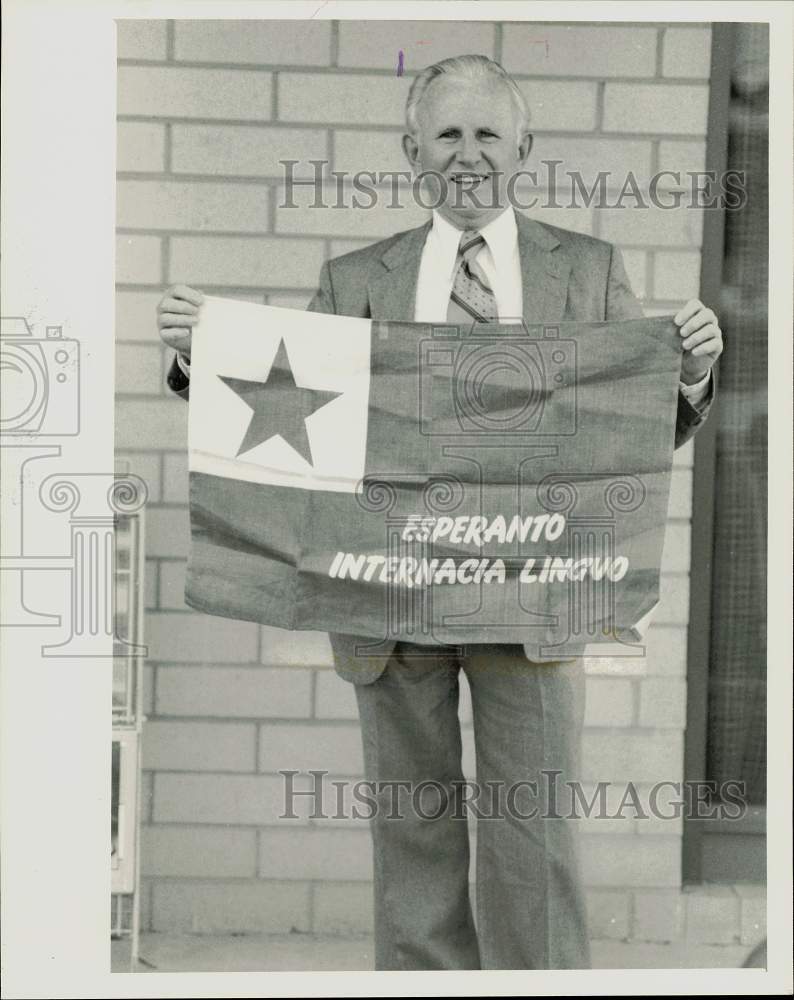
x: 438, y: 484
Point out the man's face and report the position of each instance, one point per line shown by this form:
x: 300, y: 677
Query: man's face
x: 467, y: 133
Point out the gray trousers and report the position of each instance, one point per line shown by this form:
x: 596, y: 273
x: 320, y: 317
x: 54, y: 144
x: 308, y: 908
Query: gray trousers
x: 530, y: 909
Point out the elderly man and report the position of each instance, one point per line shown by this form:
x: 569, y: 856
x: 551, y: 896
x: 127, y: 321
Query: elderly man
x: 477, y: 259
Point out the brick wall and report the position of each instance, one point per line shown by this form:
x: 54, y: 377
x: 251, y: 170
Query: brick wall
x: 206, y: 110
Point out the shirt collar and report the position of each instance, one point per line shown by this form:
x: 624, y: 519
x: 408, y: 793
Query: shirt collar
x: 501, y: 235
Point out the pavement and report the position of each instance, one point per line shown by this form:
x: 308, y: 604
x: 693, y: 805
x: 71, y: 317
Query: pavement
x: 298, y: 952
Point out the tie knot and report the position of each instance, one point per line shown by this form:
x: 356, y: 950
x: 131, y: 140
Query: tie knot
x: 470, y: 243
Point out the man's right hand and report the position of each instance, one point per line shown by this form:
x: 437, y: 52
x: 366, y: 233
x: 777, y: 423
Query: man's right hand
x: 177, y: 314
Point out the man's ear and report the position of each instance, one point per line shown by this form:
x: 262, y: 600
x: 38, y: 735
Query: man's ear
x: 525, y: 146
x: 411, y: 150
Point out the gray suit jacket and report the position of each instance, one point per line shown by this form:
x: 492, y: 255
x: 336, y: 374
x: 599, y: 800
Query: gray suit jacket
x: 566, y: 276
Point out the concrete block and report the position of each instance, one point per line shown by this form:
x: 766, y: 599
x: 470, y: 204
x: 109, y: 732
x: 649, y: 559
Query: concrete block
x: 289, y: 301
x: 676, y: 551
x: 203, y: 206
x: 332, y: 747
x: 138, y: 38
x: 635, y: 262
x: 151, y: 423
x: 319, y: 854
x: 172, y: 585
x: 233, y: 692
x: 298, y: 214
x: 246, y: 150
x: 175, y: 477
x: 197, y: 851
x: 346, y: 99
x: 676, y: 275
x: 753, y: 912
x: 561, y: 106
x: 681, y: 156
x: 610, y: 702
x: 663, y: 702
x: 658, y: 916
x: 680, y: 505
x: 686, y: 52
x: 167, y: 531
x: 198, y: 746
x: 713, y: 915
x: 334, y: 697
x: 139, y: 369
x: 579, y: 50
x: 673, y: 600
x: 302, y: 42
x: 377, y: 44
x: 631, y: 861
x: 252, y: 906
x: 280, y: 647
x: 246, y: 261
x: 632, y: 755
x: 176, y: 92
x: 343, y: 908
x: 666, y: 650
x: 140, y: 146
x: 652, y: 227
x: 194, y: 638
x: 146, y: 465
x: 608, y: 914
x: 227, y: 799
x: 656, y: 108
x: 138, y: 259
x: 379, y: 151
x: 136, y: 315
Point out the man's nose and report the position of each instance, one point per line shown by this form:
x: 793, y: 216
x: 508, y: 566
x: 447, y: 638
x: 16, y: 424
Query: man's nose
x: 468, y: 150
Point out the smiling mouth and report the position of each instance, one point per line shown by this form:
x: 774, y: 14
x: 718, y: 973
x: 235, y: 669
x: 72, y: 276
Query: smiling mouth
x: 468, y: 181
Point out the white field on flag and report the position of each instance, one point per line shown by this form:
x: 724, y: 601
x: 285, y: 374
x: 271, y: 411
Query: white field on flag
x: 239, y: 341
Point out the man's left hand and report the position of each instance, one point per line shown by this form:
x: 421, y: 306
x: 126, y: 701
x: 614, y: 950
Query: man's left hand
x: 703, y: 340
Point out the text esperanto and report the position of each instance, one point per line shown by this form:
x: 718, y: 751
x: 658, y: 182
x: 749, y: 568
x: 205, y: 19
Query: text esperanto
x: 475, y: 531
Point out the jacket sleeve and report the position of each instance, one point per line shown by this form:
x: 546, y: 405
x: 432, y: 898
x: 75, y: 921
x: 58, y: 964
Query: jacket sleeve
x: 323, y: 300
x: 176, y: 380
x: 621, y: 303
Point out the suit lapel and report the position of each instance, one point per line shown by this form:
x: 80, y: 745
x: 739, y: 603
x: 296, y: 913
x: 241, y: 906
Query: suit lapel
x: 392, y: 291
x: 544, y: 275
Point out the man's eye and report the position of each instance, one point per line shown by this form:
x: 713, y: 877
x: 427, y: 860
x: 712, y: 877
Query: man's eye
x: 449, y: 134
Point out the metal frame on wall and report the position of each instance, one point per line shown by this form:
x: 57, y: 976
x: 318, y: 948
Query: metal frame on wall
x: 694, y: 868
x: 128, y: 718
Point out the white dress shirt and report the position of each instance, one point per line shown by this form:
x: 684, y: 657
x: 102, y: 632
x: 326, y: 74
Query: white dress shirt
x: 500, y: 260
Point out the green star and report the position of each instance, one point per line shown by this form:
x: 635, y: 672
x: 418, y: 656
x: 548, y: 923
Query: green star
x: 279, y: 405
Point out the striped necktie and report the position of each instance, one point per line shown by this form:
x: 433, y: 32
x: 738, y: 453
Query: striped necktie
x: 472, y: 300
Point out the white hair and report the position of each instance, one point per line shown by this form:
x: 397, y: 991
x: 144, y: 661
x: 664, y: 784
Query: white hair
x: 471, y: 67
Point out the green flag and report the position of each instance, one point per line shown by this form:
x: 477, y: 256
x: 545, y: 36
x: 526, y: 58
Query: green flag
x: 495, y: 483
